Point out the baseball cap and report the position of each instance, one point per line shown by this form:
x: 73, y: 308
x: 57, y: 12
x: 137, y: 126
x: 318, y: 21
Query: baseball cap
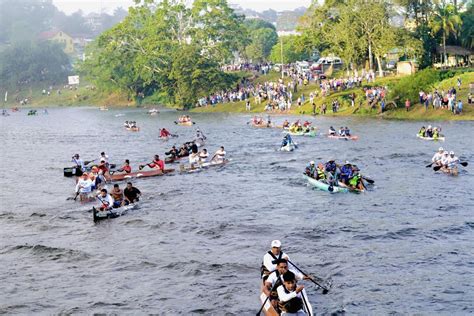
x: 276, y: 243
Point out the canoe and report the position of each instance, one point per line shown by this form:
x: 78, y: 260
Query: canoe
x: 133, y: 129
x: 288, y: 147
x: 113, y: 213
x: 264, y: 125
x: 138, y: 174
x: 450, y: 171
x: 352, y: 137
x: 75, y: 171
x: 200, y: 167
x: 441, y: 138
x: 324, y: 186
x: 268, y: 309
x: 185, y: 123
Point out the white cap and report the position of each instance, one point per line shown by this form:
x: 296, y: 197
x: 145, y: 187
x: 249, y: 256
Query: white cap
x: 347, y: 162
x: 311, y: 162
x: 440, y: 149
x: 429, y: 126
x: 445, y: 152
x: 276, y: 243
x: 451, y: 152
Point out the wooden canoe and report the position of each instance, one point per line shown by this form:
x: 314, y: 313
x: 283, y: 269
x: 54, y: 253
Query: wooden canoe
x: 189, y: 123
x: 138, y: 174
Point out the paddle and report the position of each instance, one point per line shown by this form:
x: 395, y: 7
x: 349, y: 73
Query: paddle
x: 368, y: 180
x: 73, y: 198
x: 427, y: 166
x: 325, y: 289
x: 89, y: 161
x: 464, y: 164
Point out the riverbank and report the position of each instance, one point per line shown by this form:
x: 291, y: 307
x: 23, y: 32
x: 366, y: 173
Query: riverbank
x: 416, y: 112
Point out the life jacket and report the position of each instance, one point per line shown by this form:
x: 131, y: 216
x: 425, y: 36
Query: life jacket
x: 291, y: 306
x: 354, y: 181
x: 421, y: 132
x: 321, y: 174
x: 263, y: 270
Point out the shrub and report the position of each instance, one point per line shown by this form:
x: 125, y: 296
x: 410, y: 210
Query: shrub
x: 410, y: 86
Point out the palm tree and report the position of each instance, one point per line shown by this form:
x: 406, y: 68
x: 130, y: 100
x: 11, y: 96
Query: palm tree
x: 446, y: 19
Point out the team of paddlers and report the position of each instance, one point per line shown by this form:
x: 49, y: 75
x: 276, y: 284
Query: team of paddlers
x: 430, y: 132
x: 334, y: 174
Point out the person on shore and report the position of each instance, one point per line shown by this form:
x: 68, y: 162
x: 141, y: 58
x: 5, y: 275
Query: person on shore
x: 106, y: 201
x: 407, y: 104
x: 131, y: 194
x: 117, y: 195
x: 219, y: 155
x: 290, y: 297
x: 268, y: 262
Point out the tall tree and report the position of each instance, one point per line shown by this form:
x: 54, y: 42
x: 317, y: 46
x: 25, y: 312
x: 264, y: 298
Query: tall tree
x: 445, y: 19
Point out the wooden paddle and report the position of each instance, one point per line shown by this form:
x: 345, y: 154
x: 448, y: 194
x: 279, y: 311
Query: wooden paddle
x: 325, y: 289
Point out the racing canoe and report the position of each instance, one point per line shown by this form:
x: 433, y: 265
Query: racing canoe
x: 138, y: 174
x: 324, y: 186
x: 352, y: 137
x: 199, y: 167
x: 189, y: 123
x: 133, y: 129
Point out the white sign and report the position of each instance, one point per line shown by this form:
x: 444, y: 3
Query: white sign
x: 73, y: 79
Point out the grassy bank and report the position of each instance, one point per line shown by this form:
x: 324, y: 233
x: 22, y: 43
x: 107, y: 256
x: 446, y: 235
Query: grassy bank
x: 417, y: 111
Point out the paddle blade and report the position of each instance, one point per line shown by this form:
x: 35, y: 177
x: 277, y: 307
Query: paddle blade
x: 464, y: 163
x: 325, y: 291
x: 436, y: 168
x: 427, y: 166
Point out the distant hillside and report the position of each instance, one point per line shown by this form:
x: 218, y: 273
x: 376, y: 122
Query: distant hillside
x: 284, y: 20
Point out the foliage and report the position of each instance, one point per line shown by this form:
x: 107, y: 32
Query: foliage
x: 28, y: 63
x: 262, y: 41
x: 167, y: 47
x: 291, y: 50
x: 467, y: 30
x: 409, y: 87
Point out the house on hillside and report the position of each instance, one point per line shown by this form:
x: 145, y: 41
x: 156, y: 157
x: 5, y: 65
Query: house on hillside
x: 59, y: 37
x: 457, y: 56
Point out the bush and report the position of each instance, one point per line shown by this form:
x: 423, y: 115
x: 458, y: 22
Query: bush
x: 410, y: 86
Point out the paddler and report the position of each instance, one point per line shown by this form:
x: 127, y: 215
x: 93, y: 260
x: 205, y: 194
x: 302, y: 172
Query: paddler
x: 429, y: 131
x: 421, y: 132
x: 104, y: 157
x: 312, y: 168
x: 106, y: 201
x: 193, y: 158
x: 332, y: 131
x: 355, y: 182
x: 286, y: 124
x: 273, y: 254
x: 157, y: 163
x: 203, y: 155
x: 452, y: 160
x: 126, y: 167
x: 117, y: 195
x: 131, y: 194
x: 320, y: 175
x: 289, y: 294
x: 342, y: 131
x: 438, y: 156
x: 347, y: 131
x: 84, y: 187
x: 435, y: 133
x: 346, y: 172
x: 173, y: 152
x: 103, y: 166
x: 79, y: 162
x: 164, y: 133
x: 445, y: 158
x: 330, y: 169
x: 219, y: 155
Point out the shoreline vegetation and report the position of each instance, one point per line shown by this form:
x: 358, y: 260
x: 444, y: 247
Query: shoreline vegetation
x: 88, y: 95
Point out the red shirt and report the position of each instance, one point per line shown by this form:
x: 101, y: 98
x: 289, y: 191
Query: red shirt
x: 157, y: 164
x: 103, y: 168
x: 126, y: 168
x: 164, y: 133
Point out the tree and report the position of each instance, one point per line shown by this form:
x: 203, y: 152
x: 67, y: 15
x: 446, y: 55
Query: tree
x: 262, y: 41
x: 467, y: 30
x: 446, y: 20
x: 28, y: 63
x: 291, y: 50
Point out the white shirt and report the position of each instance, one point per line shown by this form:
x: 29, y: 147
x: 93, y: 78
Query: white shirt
x: 285, y: 297
x: 452, y: 161
x: 79, y: 162
x: 267, y: 261
x: 273, y: 277
x: 194, y: 158
x: 332, y: 132
x: 108, y: 200
x: 106, y: 158
x: 220, y: 154
x: 437, y: 157
x: 84, y: 185
x: 444, y: 160
x: 203, y: 156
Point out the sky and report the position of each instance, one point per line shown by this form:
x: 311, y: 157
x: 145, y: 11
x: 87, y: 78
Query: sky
x: 87, y: 6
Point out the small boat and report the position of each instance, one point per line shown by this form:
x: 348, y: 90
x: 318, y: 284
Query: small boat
x: 153, y: 112
x: 138, y: 174
x: 112, y: 213
x: 288, y: 147
x: 440, y: 138
x: 104, y: 108
x: 133, y: 129
x: 450, y: 171
x: 325, y: 186
x: 188, y: 123
x: 76, y: 171
x: 202, y: 166
x: 263, y: 125
x: 119, y: 115
x: 352, y: 137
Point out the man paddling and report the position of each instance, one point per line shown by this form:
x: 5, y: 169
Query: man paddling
x: 346, y: 172
x: 126, y: 167
x: 332, y: 131
x: 452, y: 161
x: 106, y: 201
x: 84, y: 187
x: 290, y: 296
x: 274, y: 253
x: 117, y: 195
x: 131, y: 194
x: 219, y: 155
x: 164, y: 133
x: 438, y: 156
x: 203, y: 155
x: 157, y: 163
x: 79, y: 162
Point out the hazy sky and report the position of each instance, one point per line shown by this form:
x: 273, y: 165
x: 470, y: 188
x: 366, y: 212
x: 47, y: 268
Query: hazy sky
x: 70, y: 6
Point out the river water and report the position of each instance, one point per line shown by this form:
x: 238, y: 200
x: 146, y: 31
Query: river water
x: 195, y: 243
